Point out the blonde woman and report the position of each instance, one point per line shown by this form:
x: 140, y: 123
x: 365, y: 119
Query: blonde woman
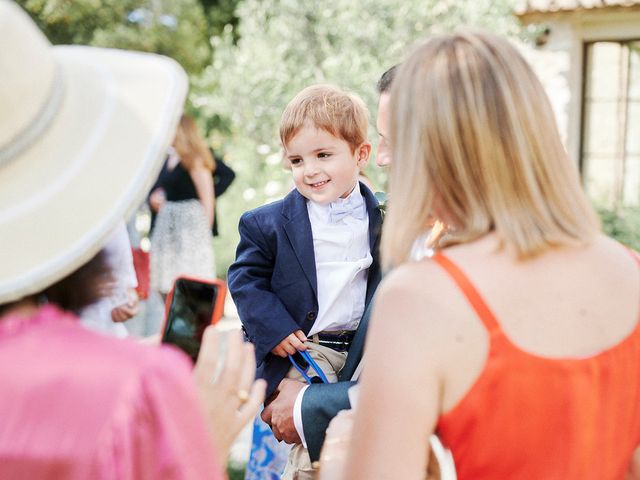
x: 518, y: 342
x: 184, y: 202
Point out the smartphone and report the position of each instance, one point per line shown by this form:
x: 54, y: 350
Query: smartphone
x: 192, y: 305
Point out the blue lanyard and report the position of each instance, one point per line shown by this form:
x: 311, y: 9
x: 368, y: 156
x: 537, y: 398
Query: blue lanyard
x: 310, y: 363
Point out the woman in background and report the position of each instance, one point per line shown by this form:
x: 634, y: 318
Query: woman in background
x: 181, y: 241
x: 518, y: 341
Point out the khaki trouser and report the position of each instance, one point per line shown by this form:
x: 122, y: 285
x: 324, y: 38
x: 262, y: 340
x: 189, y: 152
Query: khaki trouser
x: 331, y: 362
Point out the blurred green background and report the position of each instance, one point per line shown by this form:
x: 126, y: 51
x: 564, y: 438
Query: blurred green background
x: 247, y: 58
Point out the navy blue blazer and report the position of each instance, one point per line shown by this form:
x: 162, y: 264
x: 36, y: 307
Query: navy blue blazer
x: 273, y: 280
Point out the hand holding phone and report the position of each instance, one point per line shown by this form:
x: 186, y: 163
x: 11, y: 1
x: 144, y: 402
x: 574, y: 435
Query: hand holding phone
x: 233, y: 399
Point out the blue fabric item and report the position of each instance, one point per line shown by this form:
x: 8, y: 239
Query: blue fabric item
x: 273, y: 280
x: 268, y: 456
x: 310, y: 363
x: 351, y: 206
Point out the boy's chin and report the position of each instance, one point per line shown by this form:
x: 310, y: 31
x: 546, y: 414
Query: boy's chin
x: 319, y: 199
x: 324, y: 198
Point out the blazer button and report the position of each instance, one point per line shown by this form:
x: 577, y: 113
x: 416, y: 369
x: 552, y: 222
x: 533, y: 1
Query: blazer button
x: 311, y: 316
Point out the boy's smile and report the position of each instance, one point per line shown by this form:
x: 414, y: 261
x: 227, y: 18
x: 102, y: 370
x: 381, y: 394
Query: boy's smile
x: 319, y: 184
x: 323, y: 166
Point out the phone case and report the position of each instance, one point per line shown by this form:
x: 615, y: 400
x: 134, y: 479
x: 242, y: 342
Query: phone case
x: 218, y: 308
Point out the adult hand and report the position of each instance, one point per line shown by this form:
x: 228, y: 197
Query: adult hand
x: 232, y: 399
x: 336, y: 445
x: 279, y: 413
x: 157, y: 199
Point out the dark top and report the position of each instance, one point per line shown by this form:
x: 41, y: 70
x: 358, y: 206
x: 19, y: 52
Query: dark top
x: 176, y: 183
x: 178, y: 186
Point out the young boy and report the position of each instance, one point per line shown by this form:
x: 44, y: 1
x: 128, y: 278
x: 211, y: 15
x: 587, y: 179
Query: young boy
x: 306, y: 265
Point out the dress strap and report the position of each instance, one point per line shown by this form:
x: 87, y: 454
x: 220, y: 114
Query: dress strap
x: 473, y: 296
x: 634, y: 254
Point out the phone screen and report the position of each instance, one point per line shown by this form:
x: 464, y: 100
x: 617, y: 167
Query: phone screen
x: 190, y: 312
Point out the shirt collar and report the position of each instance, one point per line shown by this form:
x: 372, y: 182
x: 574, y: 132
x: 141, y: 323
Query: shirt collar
x: 322, y: 211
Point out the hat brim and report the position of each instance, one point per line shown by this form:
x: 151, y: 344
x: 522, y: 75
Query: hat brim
x: 92, y: 166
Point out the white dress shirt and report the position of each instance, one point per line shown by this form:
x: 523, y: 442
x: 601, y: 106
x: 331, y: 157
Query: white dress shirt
x: 343, y: 257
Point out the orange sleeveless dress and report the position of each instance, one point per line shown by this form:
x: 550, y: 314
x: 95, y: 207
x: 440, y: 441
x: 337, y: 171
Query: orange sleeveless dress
x: 530, y: 417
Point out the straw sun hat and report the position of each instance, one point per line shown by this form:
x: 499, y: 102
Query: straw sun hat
x: 83, y: 133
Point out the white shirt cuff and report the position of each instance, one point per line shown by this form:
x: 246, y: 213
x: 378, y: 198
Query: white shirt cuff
x: 297, y: 415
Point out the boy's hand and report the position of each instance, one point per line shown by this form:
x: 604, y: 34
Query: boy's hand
x: 291, y: 344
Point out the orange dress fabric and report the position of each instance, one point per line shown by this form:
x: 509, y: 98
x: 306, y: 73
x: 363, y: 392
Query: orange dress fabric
x: 530, y: 417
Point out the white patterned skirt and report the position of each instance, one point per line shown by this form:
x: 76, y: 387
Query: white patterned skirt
x: 180, y: 244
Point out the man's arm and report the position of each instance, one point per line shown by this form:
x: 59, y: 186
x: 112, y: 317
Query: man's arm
x: 263, y: 315
x: 320, y: 403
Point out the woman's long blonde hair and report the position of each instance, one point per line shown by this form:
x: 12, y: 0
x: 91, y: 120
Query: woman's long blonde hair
x: 475, y: 145
x: 190, y: 145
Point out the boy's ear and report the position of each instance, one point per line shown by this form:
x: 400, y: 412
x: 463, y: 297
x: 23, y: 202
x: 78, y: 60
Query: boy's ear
x: 364, y: 152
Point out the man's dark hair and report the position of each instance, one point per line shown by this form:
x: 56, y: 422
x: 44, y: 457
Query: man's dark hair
x: 384, y: 84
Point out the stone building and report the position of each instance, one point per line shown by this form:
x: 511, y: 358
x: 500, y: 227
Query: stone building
x: 588, y: 57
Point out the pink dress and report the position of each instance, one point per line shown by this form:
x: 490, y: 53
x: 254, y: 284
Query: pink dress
x: 78, y: 405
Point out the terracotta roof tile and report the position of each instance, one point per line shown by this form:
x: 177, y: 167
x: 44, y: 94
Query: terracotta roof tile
x: 526, y: 7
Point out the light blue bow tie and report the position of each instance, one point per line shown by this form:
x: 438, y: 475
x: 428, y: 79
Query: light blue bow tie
x: 340, y: 210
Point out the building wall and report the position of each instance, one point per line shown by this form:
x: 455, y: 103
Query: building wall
x: 559, y: 63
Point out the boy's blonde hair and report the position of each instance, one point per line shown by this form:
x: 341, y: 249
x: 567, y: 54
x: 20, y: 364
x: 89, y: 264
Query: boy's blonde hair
x: 475, y: 143
x: 343, y: 115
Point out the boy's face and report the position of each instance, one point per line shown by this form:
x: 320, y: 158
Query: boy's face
x: 323, y: 167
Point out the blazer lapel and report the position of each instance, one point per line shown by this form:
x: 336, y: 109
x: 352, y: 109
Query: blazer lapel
x: 375, y: 227
x: 375, y: 217
x: 298, y: 230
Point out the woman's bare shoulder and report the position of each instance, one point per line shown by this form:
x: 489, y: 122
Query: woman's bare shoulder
x: 416, y: 294
x: 421, y: 278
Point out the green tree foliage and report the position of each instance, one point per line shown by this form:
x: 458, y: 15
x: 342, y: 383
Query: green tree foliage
x: 177, y: 28
x: 622, y: 224
x: 220, y: 13
x: 286, y: 45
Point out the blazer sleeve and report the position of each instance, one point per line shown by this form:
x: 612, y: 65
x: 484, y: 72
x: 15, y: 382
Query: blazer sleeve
x: 263, y: 315
x: 320, y: 403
